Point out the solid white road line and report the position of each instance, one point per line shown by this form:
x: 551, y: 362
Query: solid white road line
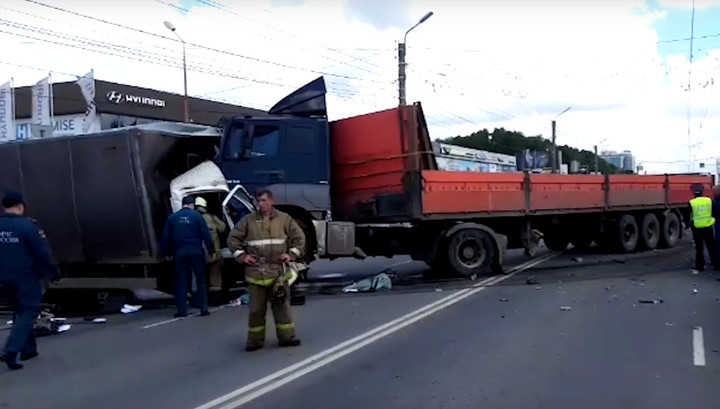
x: 271, y: 382
x: 157, y: 324
x: 698, y: 347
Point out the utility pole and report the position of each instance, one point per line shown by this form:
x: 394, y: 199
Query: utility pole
x: 401, y: 74
x: 186, y: 101
x: 554, y: 145
x: 554, y: 150
x: 597, y: 161
x: 401, y: 61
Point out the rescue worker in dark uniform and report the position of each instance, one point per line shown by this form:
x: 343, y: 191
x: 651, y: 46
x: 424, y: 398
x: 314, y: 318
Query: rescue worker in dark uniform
x: 702, y: 222
x: 266, y: 241
x: 716, y: 212
x: 183, y: 238
x: 25, y: 262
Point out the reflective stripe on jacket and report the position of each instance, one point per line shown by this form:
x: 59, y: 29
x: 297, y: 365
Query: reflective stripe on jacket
x: 701, y: 208
x: 267, y: 238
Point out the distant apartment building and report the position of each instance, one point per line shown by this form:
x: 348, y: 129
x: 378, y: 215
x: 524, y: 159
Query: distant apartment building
x: 622, y: 160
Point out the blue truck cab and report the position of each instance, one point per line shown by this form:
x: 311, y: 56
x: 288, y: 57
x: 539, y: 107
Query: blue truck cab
x: 287, y: 152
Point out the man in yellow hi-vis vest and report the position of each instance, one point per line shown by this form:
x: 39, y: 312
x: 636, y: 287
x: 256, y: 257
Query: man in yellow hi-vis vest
x: 702, y: 222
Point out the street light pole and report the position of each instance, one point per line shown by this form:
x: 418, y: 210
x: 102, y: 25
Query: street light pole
x: 401, y: 60
x: 554, y: 145
x: 186, y: 102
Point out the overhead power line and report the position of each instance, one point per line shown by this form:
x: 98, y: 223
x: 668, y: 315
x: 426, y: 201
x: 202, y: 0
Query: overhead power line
x: 207, y: 48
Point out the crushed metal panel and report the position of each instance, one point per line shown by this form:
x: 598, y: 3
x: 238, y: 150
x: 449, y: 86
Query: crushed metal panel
x: 206, y: 177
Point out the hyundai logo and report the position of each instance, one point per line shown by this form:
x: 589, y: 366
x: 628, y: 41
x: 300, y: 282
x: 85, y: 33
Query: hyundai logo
x: 114, y: 97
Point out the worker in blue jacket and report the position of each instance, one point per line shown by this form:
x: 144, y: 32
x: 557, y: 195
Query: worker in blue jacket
x: 185, y: 234
x: 25, y: 262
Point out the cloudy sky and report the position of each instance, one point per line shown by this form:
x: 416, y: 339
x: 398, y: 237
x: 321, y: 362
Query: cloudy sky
x: 622, y: 65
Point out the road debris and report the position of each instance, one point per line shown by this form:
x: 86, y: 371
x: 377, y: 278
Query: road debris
x: 47, y: 324
x: 63, y: 328
x: 565, y: 308
x: 577, y: 259
x: 437, y: 290
x: 95, y: 320
x: 669, y: 324
x: 695, y: 291
x: 377, y: 282
x: 657, y: 301
x: 473, y: 277
x: 242, y: 300
x: 538, y: 288
x: 129, y: 309
x: 532, y: 281
x: 503, y: 300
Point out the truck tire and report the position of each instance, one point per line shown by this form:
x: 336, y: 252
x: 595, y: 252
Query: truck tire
x: 670, y: 231
x: 310, y: 242
x: 471, y: 251
x: 649, y: 232
x: 627, y: 233
x: 556, y: 240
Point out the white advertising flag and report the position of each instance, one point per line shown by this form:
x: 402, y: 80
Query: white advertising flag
x: 42, y: 108
x: 7, y: 112
x: 87, y: 87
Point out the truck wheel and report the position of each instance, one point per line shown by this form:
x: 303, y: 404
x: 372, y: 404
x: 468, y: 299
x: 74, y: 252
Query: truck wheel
x: 556, y: 240
x: 670, y: 232
x: 627, y: 233
x: 471, y: 251
x: 310, y: 243
x: 649, y: 232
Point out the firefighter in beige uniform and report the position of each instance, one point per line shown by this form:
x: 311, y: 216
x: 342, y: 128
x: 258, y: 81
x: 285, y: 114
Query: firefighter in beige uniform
x: 216, y: 227
x: 266, y: 241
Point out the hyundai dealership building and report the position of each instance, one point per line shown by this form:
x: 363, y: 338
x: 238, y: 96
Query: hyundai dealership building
x: 118, y: 105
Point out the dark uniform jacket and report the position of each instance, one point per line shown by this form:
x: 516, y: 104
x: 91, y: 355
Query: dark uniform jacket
x: 24, y: 252
x: 185, y: 233
x: 267, y: 238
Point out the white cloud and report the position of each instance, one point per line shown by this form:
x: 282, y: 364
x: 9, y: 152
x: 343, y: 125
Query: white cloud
x: 474, y: 65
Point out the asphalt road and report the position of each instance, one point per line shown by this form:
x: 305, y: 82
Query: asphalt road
x: 495, y: 343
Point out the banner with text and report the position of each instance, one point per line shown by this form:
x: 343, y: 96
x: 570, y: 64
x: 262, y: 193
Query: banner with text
x: 87, y: 87
x: 7, y: 112
x: 42, y: 108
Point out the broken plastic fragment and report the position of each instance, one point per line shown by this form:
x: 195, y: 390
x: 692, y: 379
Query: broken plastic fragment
x: 128, y: 309
x: 63, y: 328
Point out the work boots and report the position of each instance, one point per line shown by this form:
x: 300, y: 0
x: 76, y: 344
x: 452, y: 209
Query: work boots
x: 12, y: 361
x: 290, y: 343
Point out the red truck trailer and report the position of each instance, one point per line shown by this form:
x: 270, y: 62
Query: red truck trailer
x: 385, y: 180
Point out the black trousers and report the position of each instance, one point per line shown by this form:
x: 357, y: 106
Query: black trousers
x: 184, y: 266
x: 704, y: 239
